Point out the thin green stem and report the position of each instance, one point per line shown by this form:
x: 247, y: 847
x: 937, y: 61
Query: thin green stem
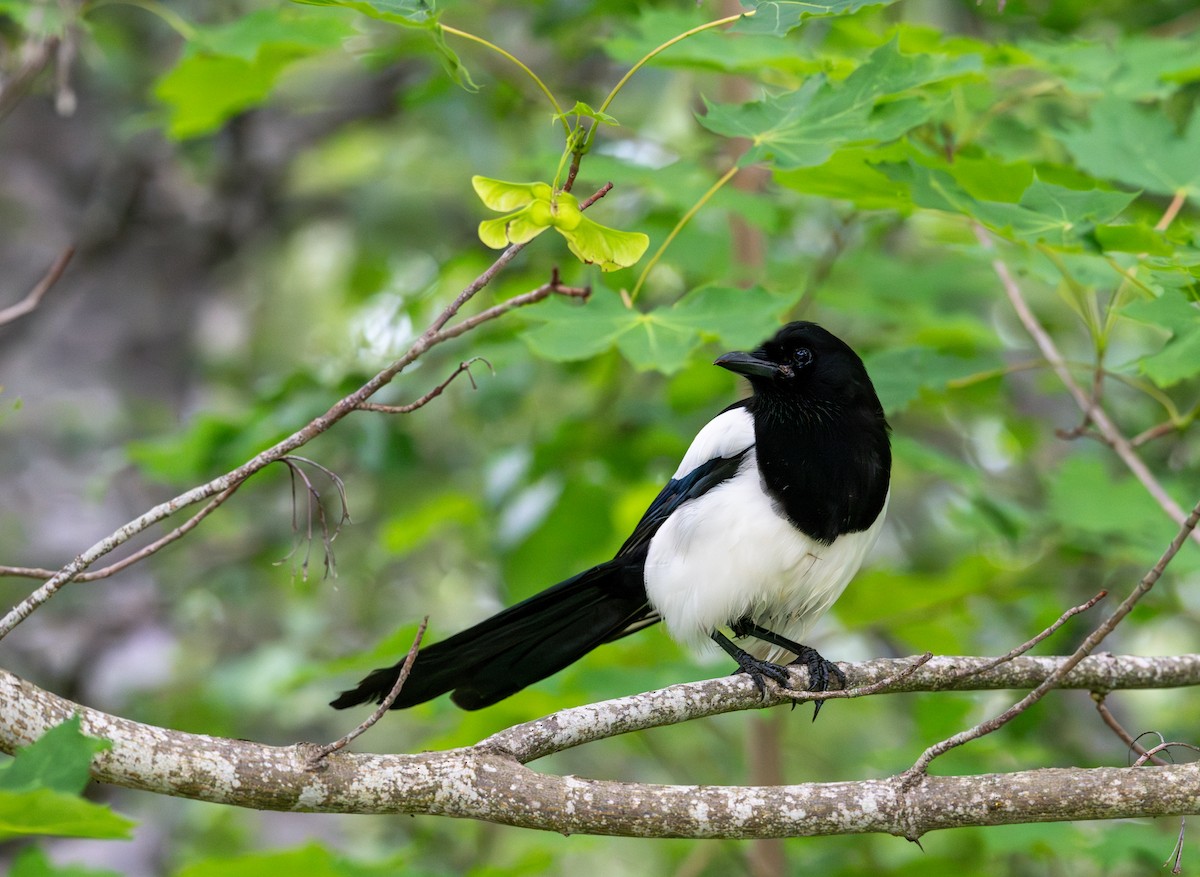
x: 679, y: 226
x: 645, y: 59
x: 1085, y: 303
x: 514, y: 59
x: 167, y: 16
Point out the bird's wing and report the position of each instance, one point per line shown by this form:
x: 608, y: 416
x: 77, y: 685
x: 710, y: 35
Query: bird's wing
x: 714, y: 456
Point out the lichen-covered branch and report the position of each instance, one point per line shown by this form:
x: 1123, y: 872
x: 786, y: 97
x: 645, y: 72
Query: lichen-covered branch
x: 490, y: 781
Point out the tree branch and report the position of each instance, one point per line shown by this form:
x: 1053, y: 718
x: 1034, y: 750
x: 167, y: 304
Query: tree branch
x: 489, y: 781
x: 918, y: 771
x: 1087, y: 404
x: 30, y: 302
x: 437, y: 333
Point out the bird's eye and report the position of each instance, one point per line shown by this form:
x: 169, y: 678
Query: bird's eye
x: 802, y: 357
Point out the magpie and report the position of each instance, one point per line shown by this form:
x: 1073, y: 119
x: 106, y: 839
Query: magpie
x: 768, y: 517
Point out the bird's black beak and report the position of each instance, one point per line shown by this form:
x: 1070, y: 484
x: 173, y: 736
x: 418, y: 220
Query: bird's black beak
x: 747, y: 364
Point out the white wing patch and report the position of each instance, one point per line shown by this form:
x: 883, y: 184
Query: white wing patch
x: 726, y: 435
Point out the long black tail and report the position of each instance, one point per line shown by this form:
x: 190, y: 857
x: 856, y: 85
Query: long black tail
x: 521, y: 645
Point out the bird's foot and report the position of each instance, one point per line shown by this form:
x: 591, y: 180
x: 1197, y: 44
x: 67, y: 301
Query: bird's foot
x: 759, y: 670
x: 820, y: 672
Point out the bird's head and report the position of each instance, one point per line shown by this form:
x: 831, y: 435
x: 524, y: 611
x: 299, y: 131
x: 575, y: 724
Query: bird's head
x: 806, y: 362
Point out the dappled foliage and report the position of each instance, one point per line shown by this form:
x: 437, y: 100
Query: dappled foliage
x: 886, y: 157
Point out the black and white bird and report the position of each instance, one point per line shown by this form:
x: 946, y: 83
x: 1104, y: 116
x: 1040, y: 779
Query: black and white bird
x: 758, y: 532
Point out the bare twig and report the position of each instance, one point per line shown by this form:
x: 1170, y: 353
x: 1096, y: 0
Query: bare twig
x: 1172, y: 210
x: 919, y: 769
x: 313, y: 503
x: 1092, y: 412
x: 798, y: 695
x: 463, y: 367
x: 595, y: 196
x: 1175, y: 860
x: 1100, y: 698
x: 437, y: 333
x: 140, y: 554
x: 1165, y: 746
x: 1029, y: 644
x: 384, y: 705
x: 37, y: 57
x: 31, y: 301
x: 1154, y: 432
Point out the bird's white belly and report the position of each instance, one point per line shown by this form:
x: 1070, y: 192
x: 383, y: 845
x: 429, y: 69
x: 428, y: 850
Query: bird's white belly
x: 730, y: 554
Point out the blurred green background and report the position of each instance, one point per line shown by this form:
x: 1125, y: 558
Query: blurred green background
x: 270, y: 200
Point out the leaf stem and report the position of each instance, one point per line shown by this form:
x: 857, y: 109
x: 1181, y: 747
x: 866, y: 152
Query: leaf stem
x: 679, y: 226
x: 168, y: 16
x: 514, y: 59
x: 645, y: 59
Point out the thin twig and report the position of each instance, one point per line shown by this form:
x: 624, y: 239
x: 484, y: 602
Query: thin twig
x: 32, y: 572
x: 1172, y: 210
x: 1029, y: 644
x: 1117, y: 728
x: 802, y: 696
x: 595, y: 196
x: 463, y: 367
x: 31, y: 301
x: 1175, y: 860
x: 38, y: 57
x: 1165, y: 746
x: 1097, y: 415
x: 384, y: 705
x: 1155, y: 432
x: 573, y: 171
x: 295, y: 465
x: 437, y: 333
x: 919, y: 769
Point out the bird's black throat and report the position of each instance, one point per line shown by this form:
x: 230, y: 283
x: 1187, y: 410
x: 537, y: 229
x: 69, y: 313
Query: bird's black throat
x: 826, y: 464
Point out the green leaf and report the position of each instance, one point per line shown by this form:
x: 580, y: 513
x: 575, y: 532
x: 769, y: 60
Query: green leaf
x: 1087, y: 498
x: 1137, y: 144
x: 582, y: 110
x: 659, y: 340
x: 1133, y: 238
x: 900, y: 374
x: 32, y: 862
x: 407, y: 13
x: 851, y: 174
x: 59, y: 760
x: 40, y: 787
x: 311, y: 860
x: 248, y: 36
x: 1179, y: 358
x: 1132, y: 65
x: 804, y: 127
x: 45, y: 811
x: 753, y: 54
x: 204, y: 91
x: 410, y: 13
x: 1046, y: 213
x: 230, y: 68
x: 781, y: 16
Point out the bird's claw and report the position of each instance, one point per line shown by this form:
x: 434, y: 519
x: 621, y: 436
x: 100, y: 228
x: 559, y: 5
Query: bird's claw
x: 758, y: 670
x: 819, y: 672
